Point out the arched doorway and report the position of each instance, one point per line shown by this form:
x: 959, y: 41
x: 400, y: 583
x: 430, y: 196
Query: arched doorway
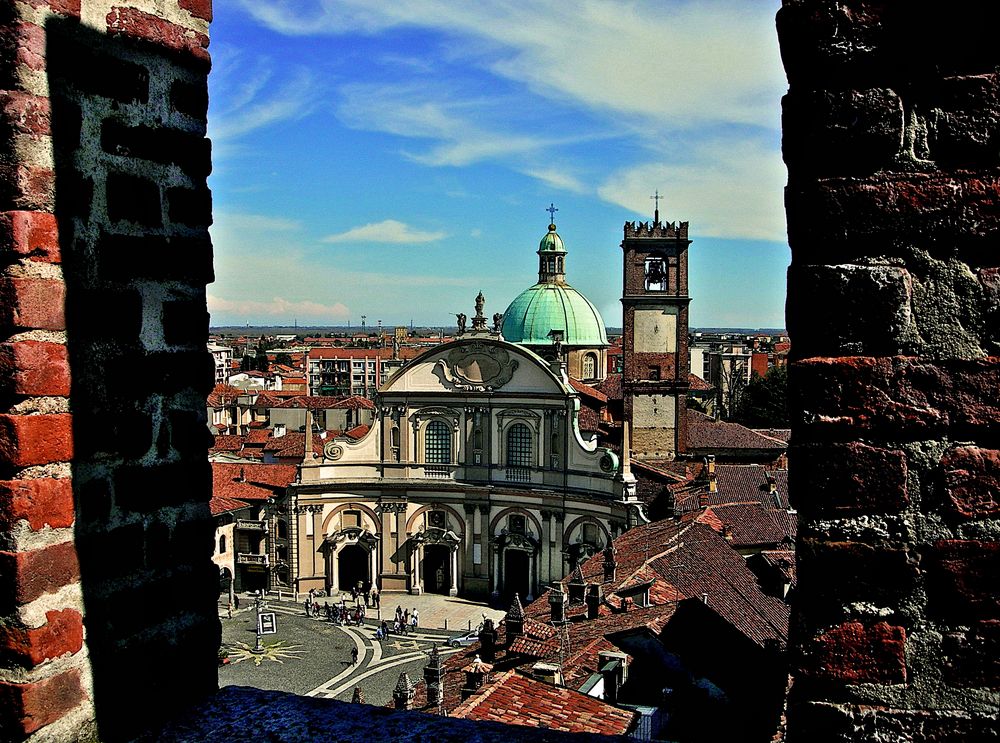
x: 437, y: 568
x: 516, y: 574
x: 353, y: 566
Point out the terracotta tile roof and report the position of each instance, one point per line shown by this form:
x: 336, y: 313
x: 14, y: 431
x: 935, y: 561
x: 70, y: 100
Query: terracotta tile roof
x: 227, y: 443
x: 588, y: 419
x: 223, y: 395
x: 355, y: 402
x: 747, y: 483
x: 697, y: 384
x: 587, y: 390
x: 517, y: 699
x: 750, y: 524
x: 293, y: 445
x: 706, y: 434
x: 687, y: 560
x: 358, y: 431
x: 611, y: 386
x: 220, y: 504
x: 781, y: 434
x: 783, y: 561
x: 251, y: 482
x: 257, y: 436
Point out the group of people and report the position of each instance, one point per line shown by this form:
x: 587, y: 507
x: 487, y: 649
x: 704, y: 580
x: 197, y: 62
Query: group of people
x: 403, y: 622
x: 338, y: 614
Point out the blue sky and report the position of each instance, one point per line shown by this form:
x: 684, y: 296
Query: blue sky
x: 393, y: 159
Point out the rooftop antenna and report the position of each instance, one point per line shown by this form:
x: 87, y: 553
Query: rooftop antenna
x: 656, y: 210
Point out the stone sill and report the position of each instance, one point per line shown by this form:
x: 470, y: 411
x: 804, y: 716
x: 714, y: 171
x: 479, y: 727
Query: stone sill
x: 243, y: 713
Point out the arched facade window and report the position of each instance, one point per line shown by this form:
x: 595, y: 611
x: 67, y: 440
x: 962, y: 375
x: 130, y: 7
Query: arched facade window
x: 282, y: 529
x: 589, y: 366
x: 519, y: 453
x: 222, y: 544
x: 437, y: 446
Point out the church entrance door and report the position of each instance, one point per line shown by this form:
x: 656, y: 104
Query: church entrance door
x: 516, y: 574
x: 353, y: 564
x: 437, y: 568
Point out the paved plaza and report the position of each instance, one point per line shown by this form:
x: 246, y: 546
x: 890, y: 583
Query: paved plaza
x: 312, y: 656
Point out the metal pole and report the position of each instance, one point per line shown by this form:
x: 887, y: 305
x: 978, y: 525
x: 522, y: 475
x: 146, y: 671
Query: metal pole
x: 260, y: 600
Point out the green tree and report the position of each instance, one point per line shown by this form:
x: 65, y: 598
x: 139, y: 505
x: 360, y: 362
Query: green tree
x: 764, y: 401
x: 283, y: 358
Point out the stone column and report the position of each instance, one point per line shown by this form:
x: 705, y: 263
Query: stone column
x: 484, y: 538
x: 558, y: 558
x: 545, y: 548
x: 470, y: 537
x: 453, y: 590
x: 416, y: 559
x: 317, y: 517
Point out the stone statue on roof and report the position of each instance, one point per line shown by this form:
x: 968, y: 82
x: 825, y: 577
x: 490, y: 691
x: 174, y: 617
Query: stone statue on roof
x: 461, y: 322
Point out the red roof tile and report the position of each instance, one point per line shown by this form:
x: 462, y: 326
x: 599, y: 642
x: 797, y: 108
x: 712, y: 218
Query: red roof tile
x: 517, y: 699
x: 586, y: 389
x: 706, y: 434
x: 697, y: 384
x: 251, y: 482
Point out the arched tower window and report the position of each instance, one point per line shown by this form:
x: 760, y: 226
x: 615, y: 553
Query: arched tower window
x: 437, y: 445
x: 589, y: 366
x: 519, y: 451
x: 222, y: 544
x: 656, y: 274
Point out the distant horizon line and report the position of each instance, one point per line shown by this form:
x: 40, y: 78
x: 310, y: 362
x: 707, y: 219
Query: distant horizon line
x: 388, y: 328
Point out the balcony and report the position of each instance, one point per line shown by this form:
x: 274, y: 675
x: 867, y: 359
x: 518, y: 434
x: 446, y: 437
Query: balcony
x: 248, y: 558
x: 518, y: 474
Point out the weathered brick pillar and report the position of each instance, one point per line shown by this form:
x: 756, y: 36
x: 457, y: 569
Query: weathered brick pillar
x: 892, y: 141
x: 107, y: 592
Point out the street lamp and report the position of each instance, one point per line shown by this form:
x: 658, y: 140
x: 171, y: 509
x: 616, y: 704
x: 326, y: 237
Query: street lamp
x: 259, y: 604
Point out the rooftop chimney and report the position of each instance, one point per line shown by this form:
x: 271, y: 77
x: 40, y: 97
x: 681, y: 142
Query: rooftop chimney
x: 477, y: 673
x: 614, y: 668
x: 704, y: 598
x: 610, y: 566
x: 577, y: 585
x: 595, y: 597
x: 488, y: 639
x: 514, y: 620
x: 279, y: 430
x: 772, y: 484
x: 433, y: 676
x: 557, y: 604
x: 402, y: 694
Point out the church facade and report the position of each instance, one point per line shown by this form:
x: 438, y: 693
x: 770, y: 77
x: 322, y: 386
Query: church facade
x: 475, y: 478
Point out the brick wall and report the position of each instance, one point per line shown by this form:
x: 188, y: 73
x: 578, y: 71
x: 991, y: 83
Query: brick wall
x: 892, y: 141
x: 104, y: 211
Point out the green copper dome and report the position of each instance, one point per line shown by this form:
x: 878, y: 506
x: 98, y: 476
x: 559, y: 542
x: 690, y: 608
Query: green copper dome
x: 551, y: 243
x: 545, y: 307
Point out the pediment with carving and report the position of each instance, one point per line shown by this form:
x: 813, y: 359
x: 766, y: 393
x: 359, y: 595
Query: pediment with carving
x: 477, y: 367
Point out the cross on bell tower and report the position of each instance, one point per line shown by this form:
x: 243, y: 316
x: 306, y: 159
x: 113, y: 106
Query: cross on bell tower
x: 656, y: 206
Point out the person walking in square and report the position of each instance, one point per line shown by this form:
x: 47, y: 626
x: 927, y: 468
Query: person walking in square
x: 354, y: 655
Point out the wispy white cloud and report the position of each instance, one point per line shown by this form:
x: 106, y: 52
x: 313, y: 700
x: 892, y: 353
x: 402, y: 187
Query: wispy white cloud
x: 710, y: 189
x: 386, y: 231
x: 248, y: 93
x: 278, y: 308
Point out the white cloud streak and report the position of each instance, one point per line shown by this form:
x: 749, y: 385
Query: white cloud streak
x: 386, y: 231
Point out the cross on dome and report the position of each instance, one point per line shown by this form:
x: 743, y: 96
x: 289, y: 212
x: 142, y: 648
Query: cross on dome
x: 552, y: 212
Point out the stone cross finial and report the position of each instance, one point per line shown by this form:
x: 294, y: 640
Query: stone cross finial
x: 552, y: 212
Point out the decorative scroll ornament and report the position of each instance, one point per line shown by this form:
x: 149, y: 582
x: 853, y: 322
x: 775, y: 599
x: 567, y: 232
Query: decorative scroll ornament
x: 333, y: 451
x: 477, y: 367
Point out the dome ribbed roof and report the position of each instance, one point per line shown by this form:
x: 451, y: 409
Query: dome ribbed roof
x: 551, y: 242
x: 545, y: 307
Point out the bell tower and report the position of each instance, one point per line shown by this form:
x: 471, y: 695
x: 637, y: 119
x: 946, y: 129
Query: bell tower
x: 655, y: 336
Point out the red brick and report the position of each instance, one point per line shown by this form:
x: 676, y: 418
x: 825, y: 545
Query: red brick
x: 29, y: 707
x: 840, y: 220
x: 34, y: 368
x: 972, y: 656
x: 962, y: 580
x: 27, y: 575
x: 32, y: 303
x: 24, y: 113
x: 853, y: 396
x: 31, y: 234
x: 62, y: 633
x: 27, y: 43
x: 27, y: 186
x: 27, y: 440
x: 847, y: 479
x: 855, y: 653
x: 63, y: 7
x: 198, y: 8
x: 831, y: 574
x: 135, y: 23
x: 972, y: 481
x: 39, y: 502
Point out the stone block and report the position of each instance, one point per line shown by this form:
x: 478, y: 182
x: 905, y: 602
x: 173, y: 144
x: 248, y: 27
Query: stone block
x: 961, y: 578
x: 851, y: 479
x: 856, y: 653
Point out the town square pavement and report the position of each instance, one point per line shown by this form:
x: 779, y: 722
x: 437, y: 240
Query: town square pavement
x: 312, y: 656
